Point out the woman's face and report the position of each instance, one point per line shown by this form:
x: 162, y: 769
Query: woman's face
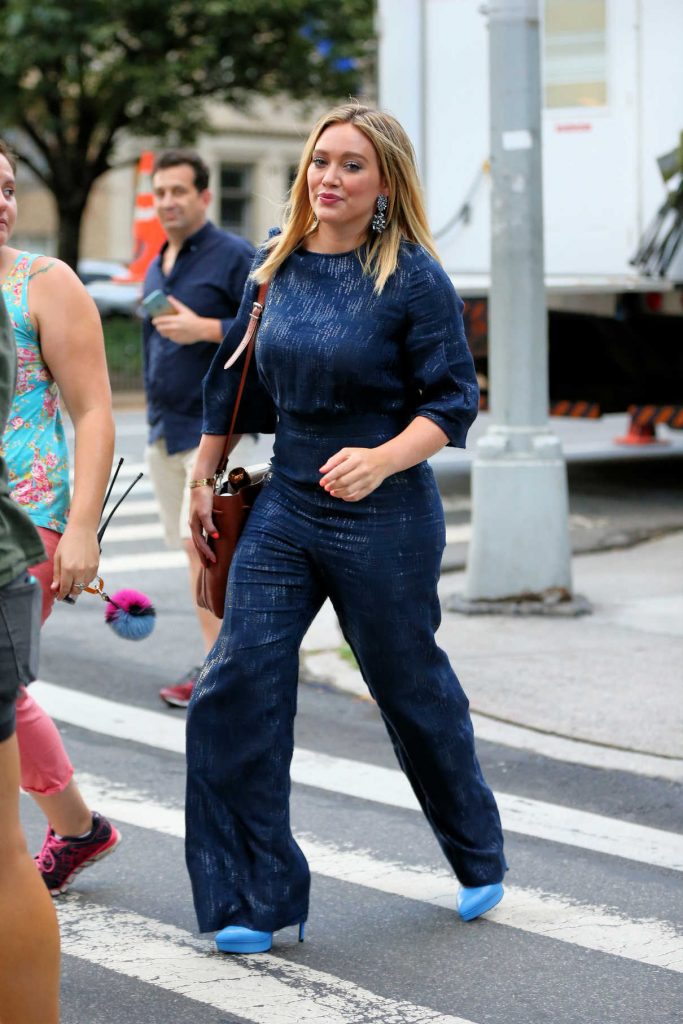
x: 344, y: 179
x: 8, y: 201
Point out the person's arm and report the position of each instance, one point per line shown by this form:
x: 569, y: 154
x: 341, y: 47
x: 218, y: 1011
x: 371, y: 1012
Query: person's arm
x: 72, y: 344
x: 201, y: 498
x: 353, y: 473
x: 186, y: 327
x: 442, y: 377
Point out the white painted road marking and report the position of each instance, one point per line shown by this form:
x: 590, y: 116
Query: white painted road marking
x: 529, y: 910
x: 552, y: 822
x: 133, y: 507
x: 133, y: 531
x: 163, y: 559
x: 261, y: 988
x: 454, y: 534
x: 559, y: 748
x: 148, y: 560
x: 130, y: 469
x: 461, y: 534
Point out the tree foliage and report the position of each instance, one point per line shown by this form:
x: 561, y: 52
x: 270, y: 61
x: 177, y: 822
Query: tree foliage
x: 75, y: 75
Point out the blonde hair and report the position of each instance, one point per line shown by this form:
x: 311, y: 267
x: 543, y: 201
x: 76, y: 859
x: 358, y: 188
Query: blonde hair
x: 406, y: 216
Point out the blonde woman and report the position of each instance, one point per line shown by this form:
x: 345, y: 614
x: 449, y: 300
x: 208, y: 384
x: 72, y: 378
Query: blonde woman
x: 362, y: 364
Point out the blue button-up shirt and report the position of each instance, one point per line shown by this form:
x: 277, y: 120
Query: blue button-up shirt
x: 209, y: 275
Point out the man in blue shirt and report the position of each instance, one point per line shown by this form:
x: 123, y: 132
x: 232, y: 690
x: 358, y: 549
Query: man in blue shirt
x: 202, y: 271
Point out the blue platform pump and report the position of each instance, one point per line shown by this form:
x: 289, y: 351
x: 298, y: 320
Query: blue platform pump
x: 473, y: 902
x: 236, y: 939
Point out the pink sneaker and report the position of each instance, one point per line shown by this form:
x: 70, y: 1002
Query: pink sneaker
x: 60, y: 860
x: 178, y: 695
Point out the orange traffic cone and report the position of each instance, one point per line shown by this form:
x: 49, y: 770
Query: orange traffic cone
x: 642, y: 428
x: 148, y: 234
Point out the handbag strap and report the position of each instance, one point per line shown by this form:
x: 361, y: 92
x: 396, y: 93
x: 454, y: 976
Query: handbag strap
x: 248, y: 343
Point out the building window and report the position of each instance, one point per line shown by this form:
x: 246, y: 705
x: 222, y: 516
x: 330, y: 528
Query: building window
x: 235, y: 199
x: 575, y: 53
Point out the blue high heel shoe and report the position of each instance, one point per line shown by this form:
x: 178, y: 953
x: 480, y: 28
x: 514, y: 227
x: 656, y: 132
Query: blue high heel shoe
x: 236, y: 939
x: 475, y: 901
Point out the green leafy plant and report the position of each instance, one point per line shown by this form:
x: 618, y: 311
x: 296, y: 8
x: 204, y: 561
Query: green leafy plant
x: 123, y: 344
x: 347, y: 655
x: 74, y: 76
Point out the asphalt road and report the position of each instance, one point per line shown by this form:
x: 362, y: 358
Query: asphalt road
x: 589, y: 932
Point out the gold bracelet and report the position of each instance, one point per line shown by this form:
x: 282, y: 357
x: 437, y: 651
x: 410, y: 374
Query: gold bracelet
x: 207, y: 481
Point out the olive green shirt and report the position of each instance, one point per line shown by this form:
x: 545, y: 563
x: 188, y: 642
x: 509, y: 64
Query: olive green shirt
x: 20, y: 544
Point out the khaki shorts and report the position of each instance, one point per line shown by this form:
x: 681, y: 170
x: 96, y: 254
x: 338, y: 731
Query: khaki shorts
x: 170, y: 476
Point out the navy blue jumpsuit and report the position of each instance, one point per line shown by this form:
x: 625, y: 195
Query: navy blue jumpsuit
x: 336, y: 366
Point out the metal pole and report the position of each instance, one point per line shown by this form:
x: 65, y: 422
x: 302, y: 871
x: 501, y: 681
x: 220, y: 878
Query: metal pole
x: 520, y: 532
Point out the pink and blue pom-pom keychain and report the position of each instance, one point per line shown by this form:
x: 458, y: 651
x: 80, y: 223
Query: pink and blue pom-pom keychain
x: 130, y: 613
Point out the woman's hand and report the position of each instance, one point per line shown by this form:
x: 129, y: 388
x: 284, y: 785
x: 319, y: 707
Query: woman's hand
x: 201, y: 505
x: 76, y: 560
x: 353, y: 473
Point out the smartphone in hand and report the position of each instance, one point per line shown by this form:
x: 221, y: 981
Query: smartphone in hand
x: 157, y: 304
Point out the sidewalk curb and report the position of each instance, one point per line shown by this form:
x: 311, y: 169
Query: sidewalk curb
x: 329, y: 669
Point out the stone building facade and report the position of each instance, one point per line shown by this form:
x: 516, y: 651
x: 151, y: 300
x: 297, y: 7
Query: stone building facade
x: 252, y: 156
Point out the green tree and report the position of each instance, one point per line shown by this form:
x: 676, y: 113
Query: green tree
x: 75, y: 74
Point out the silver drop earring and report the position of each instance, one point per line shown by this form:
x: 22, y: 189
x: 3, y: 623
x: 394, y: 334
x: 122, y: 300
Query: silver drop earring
x: 379, y: 221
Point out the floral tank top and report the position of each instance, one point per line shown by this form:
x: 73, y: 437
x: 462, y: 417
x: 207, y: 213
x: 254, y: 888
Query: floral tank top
x: 34, y: 445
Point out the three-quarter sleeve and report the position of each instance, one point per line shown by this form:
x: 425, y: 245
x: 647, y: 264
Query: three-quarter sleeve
x: 439, y: 357
x: 257, y: 413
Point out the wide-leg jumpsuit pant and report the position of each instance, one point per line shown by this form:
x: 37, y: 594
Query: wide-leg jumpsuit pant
x: 378, y: 560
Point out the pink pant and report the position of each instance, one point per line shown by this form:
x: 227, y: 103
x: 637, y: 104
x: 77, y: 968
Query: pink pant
x: 45, y: 765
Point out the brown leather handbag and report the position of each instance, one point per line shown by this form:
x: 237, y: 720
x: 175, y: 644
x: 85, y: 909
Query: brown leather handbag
x: 230, y: 510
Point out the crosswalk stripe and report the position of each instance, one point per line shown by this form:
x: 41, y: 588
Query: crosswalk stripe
x: 455, y: 534
x: 134, y: 531
x: 145, y: 531
x: 133, y: 507
x: 130, y: 469
x: 265, y: 989
x: 461, y: 534
x: 162, y: 559
x: 142, y: 560
x: 539, y: 819
x: 143, y: 486
x: 529, y: 910
x: 561, y: 748
x: 555, y: 823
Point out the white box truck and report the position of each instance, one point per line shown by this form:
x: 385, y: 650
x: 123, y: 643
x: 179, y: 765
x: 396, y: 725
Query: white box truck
x: 612, y: 75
